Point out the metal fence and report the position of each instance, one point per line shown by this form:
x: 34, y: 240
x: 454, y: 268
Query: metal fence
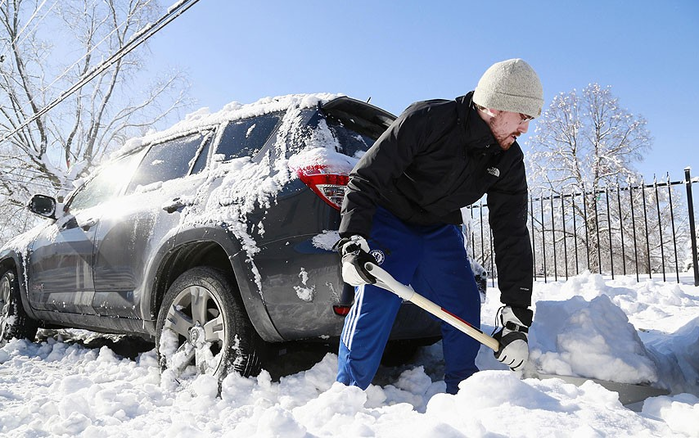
x: 646, y: 230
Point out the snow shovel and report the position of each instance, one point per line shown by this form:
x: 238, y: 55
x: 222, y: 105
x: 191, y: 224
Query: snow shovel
x: 386, y: 281
x: 630, y: 395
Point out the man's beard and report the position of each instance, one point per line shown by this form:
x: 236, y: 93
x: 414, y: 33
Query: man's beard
x: 504, y: 140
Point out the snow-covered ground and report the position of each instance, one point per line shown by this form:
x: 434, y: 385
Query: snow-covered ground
x: 62, y: 385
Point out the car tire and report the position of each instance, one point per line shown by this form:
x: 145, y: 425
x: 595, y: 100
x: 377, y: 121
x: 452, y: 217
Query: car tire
x: 399, y: 353
x: 14, y: 321
x: 203, y: 328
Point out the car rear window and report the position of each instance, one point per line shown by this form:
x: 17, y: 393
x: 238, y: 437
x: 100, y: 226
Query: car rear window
x: 345, y: 139
x: 246, y: 137
x: 351, y: 142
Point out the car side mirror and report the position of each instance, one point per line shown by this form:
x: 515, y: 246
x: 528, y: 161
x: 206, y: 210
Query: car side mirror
x: 43, y: 206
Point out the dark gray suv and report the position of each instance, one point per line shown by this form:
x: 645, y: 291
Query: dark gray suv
x: 213, y: 238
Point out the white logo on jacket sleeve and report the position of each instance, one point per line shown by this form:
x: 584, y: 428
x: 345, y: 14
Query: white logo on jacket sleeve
x: 378, y: 255
x: 494, y: 171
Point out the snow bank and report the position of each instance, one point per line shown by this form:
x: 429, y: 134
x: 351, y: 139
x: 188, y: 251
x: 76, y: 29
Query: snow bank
x: 589, y: 339
x: 59, y: 388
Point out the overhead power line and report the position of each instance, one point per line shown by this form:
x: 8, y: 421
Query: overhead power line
x: 136, y: 40
x: 15, y: 40
x: 86, y: 54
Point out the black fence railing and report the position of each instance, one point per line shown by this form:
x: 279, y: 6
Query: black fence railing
x: 647, y: 230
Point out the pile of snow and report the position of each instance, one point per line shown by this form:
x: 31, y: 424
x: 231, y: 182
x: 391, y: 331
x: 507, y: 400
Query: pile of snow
x: 590, y: 339
x: 591, y: 326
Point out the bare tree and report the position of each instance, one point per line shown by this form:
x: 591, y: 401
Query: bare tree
x: 587, y: 145
x: 589, y: 210
x: 45, y: 48
x: 587, y: 141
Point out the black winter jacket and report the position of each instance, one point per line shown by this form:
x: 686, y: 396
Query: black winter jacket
x: 437, y: 157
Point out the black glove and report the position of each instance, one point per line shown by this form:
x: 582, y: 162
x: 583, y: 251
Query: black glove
x: 355, y: 253
x: 512, y: 336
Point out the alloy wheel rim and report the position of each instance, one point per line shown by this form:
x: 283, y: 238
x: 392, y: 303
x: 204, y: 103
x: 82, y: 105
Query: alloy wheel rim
x: 196, y: 320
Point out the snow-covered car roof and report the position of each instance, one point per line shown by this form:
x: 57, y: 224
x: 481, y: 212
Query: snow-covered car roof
x: 203, y: 117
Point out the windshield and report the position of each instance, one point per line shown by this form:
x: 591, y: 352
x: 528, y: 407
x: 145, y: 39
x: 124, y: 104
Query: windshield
x: 105, y: 185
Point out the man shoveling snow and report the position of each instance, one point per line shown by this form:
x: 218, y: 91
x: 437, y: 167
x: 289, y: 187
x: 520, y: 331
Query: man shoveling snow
x: 402, y: 211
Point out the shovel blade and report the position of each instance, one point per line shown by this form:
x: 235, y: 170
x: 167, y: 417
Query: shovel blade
x: 629, y: 393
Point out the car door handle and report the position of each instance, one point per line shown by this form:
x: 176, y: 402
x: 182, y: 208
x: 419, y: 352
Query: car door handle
x: 88, y: 223
x: 174, y: 205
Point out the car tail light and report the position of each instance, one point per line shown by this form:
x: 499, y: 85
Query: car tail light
x: 329, y: 185
x: 345, y: 302
x: 341, y: 310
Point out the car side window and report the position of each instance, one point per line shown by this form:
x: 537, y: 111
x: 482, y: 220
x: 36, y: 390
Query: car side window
x: 169, y: 160
x: 104, y: 185
x: 246, y: 137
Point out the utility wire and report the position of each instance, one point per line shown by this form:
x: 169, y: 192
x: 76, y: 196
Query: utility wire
x: 136, y: 40
x: 94, y: 47
x: 21, y: 31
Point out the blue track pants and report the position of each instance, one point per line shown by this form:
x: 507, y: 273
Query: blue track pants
x: 433, y: 260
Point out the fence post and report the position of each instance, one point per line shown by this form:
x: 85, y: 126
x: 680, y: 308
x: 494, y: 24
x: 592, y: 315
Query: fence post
x: 565, y: 237
x: 609, y: 228
x: 692, y: 226
x: 633, y: 226
x: 553, y: 241
x: 672, y: 222
x: 621, y: 229
x: 575, y: 234
x: 660, y: 229
x: 599, y: 240
x: 533, y: 236
x: 543, y: 238
x: 645, y: 221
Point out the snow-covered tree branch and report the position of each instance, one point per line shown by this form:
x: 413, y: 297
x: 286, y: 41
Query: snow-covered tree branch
x: 585, y: 141
x: 580, y: 158
x: 47, y: 47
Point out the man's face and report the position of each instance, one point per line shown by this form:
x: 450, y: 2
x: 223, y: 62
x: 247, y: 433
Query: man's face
x: 507, y: 126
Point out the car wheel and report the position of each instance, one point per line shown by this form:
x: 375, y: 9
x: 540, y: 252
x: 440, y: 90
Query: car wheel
x: 14, y: 321
x: 203, y: 328
x: 399, y: 353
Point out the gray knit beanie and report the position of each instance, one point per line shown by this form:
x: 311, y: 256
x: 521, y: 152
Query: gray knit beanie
x: 510, y: 85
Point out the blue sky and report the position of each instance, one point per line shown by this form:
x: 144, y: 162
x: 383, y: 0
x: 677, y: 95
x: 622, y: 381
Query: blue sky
x: 397, y: 52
